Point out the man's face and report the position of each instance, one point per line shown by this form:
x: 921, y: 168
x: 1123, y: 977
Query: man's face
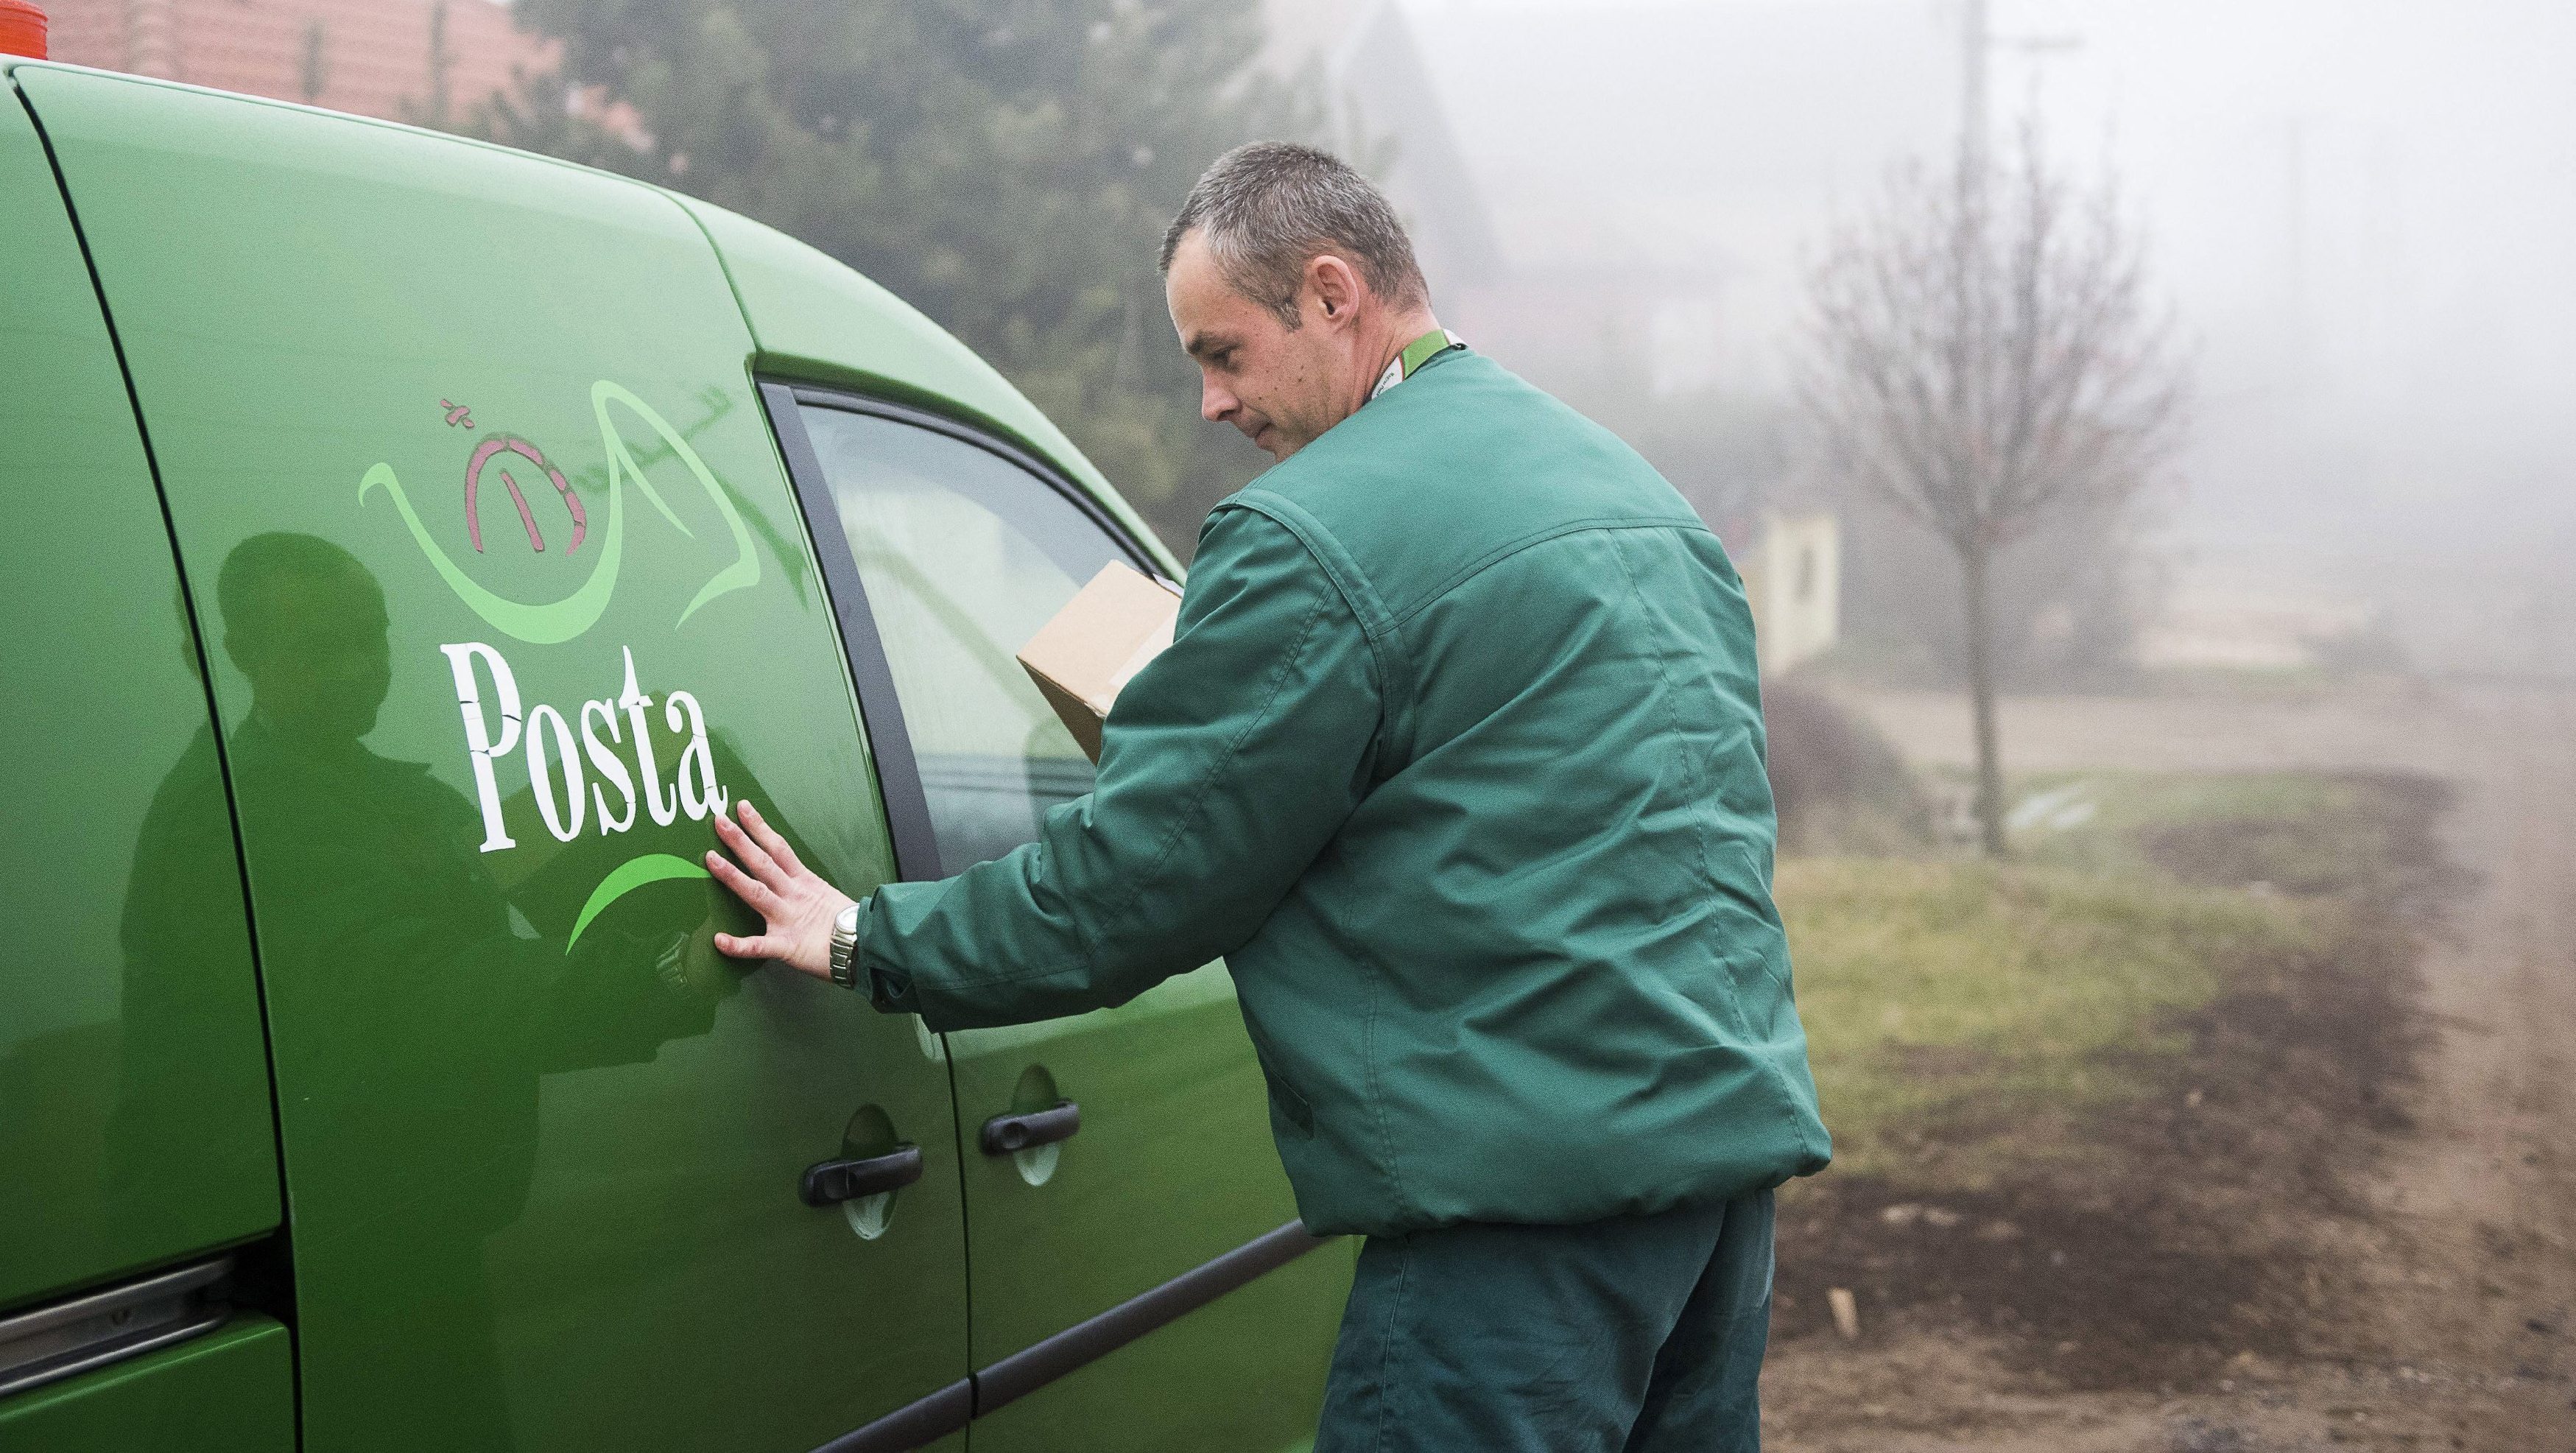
x: 1282, y: 386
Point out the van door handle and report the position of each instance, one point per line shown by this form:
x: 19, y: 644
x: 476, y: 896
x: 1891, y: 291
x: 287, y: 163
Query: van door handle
x: 829, y: 1182
x: 1007, y: 1134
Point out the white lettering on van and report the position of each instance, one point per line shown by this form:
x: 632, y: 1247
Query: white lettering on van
x: 546, y: 724
x: 566, y: 796
x: 636, y: 703
x: 480, y: 747
x: 606, y: 764
x: 697, y: 759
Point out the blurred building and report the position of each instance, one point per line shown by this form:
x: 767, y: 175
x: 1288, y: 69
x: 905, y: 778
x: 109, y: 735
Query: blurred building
x: 428, y: 61
x: 1386, y: 114
x: 1659, y: 175
x: 1607, y: 201
x: 1386, y: 117
x: 1793, y: 580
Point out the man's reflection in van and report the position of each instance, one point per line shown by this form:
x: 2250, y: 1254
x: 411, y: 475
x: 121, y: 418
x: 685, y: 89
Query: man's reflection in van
x: 422, y: 1008
x: 177, y: 980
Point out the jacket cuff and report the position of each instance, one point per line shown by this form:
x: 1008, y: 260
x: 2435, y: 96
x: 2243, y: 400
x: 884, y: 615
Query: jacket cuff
x: 891, y: 992
x: 889, y: 989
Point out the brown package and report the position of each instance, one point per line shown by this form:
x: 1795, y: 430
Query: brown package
x: 1102, y: 637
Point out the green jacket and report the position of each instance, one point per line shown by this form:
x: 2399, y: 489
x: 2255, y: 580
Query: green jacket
x: 1457, y: 760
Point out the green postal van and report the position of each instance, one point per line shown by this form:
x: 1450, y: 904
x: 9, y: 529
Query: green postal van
x: 409, y: 545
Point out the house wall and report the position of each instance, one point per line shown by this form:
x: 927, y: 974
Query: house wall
x: 369, y: 57
x: 1793, y: 580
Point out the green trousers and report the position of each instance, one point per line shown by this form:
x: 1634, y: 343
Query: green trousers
x: 1638, y: 1334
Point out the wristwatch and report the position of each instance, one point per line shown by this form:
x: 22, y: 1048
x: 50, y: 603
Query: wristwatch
x: 845, y: 945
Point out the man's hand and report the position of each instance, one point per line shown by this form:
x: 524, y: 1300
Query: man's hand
x: 798, y: 906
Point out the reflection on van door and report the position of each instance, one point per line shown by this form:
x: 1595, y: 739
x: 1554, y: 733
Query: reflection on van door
x: 505, y: 594
x: 963, y: 552
x: 134, y: 1101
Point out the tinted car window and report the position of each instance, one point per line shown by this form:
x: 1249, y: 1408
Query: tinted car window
x: 964, y: 555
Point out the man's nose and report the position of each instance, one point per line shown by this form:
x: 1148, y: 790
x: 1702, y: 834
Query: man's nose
x: 1214, y: 402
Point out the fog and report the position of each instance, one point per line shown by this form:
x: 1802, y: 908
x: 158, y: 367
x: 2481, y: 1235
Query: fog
x: 2359, y: 211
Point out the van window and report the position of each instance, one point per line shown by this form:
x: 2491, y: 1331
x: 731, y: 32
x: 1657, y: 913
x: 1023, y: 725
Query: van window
x: 964, y: 555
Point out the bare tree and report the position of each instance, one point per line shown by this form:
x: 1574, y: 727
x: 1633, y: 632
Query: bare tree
x: 1982, y: 353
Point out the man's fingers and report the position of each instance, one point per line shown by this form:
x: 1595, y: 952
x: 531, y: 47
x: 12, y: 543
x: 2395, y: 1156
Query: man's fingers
x: 764, y: 946
x: 762, y: 866
x: 758, y: 946
x: 768, y: 838
x: 754, y: 893
x: 768, y: 879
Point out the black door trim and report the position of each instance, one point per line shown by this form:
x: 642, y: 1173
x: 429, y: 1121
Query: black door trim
x: 1077, y: 1346
x: 907, y: 807
x: 1030, y: 1368
x: 915, y: 1424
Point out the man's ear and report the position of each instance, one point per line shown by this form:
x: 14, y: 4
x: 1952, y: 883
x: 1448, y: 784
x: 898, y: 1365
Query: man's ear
x: 1335, y: 286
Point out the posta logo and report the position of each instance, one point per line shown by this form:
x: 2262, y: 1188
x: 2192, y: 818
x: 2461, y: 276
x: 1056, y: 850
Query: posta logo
x: 552, y: 622
x: 614, y: 772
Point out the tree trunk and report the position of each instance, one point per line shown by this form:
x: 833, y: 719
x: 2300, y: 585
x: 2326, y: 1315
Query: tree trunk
x: 1974, y: 560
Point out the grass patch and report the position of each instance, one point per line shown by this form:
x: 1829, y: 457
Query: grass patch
x: 1966, y: 1018
x: 2303, y: 834
x: 2293, y: 831
x: 2092, y: 1102
x: 1942, y: 997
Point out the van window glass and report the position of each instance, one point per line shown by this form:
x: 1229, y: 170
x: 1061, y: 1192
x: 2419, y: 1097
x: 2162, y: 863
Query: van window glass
x: 964, y: 555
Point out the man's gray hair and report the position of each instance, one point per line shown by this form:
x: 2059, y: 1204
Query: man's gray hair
x: 1267, y: 208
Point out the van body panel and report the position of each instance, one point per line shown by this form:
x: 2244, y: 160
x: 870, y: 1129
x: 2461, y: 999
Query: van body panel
x: 502, y: 586
x: 505, y: 593
x: 135, y: 1121
x: 1173, y: 1168
x: 820, y: 322
x: 229, y: 1391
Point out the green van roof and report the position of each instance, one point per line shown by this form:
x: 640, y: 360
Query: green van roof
x: 815, y: 318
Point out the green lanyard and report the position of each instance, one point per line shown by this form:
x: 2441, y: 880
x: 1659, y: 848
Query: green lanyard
x: 1416, y: 353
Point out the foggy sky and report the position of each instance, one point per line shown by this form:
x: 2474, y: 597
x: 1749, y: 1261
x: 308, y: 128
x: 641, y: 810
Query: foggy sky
x: 2362, y: 212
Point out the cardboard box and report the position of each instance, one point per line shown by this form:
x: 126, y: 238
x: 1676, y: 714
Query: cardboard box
x: 1097, y: 643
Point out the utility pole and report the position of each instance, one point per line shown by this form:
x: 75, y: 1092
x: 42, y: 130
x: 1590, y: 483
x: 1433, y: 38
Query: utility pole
x: 2294, y: 197
x: 1976, y: 43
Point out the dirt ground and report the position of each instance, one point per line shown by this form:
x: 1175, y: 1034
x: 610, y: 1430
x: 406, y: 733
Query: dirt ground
x: 2356, y: 1229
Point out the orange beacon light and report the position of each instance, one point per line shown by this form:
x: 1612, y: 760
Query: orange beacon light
x: 22, y: 29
